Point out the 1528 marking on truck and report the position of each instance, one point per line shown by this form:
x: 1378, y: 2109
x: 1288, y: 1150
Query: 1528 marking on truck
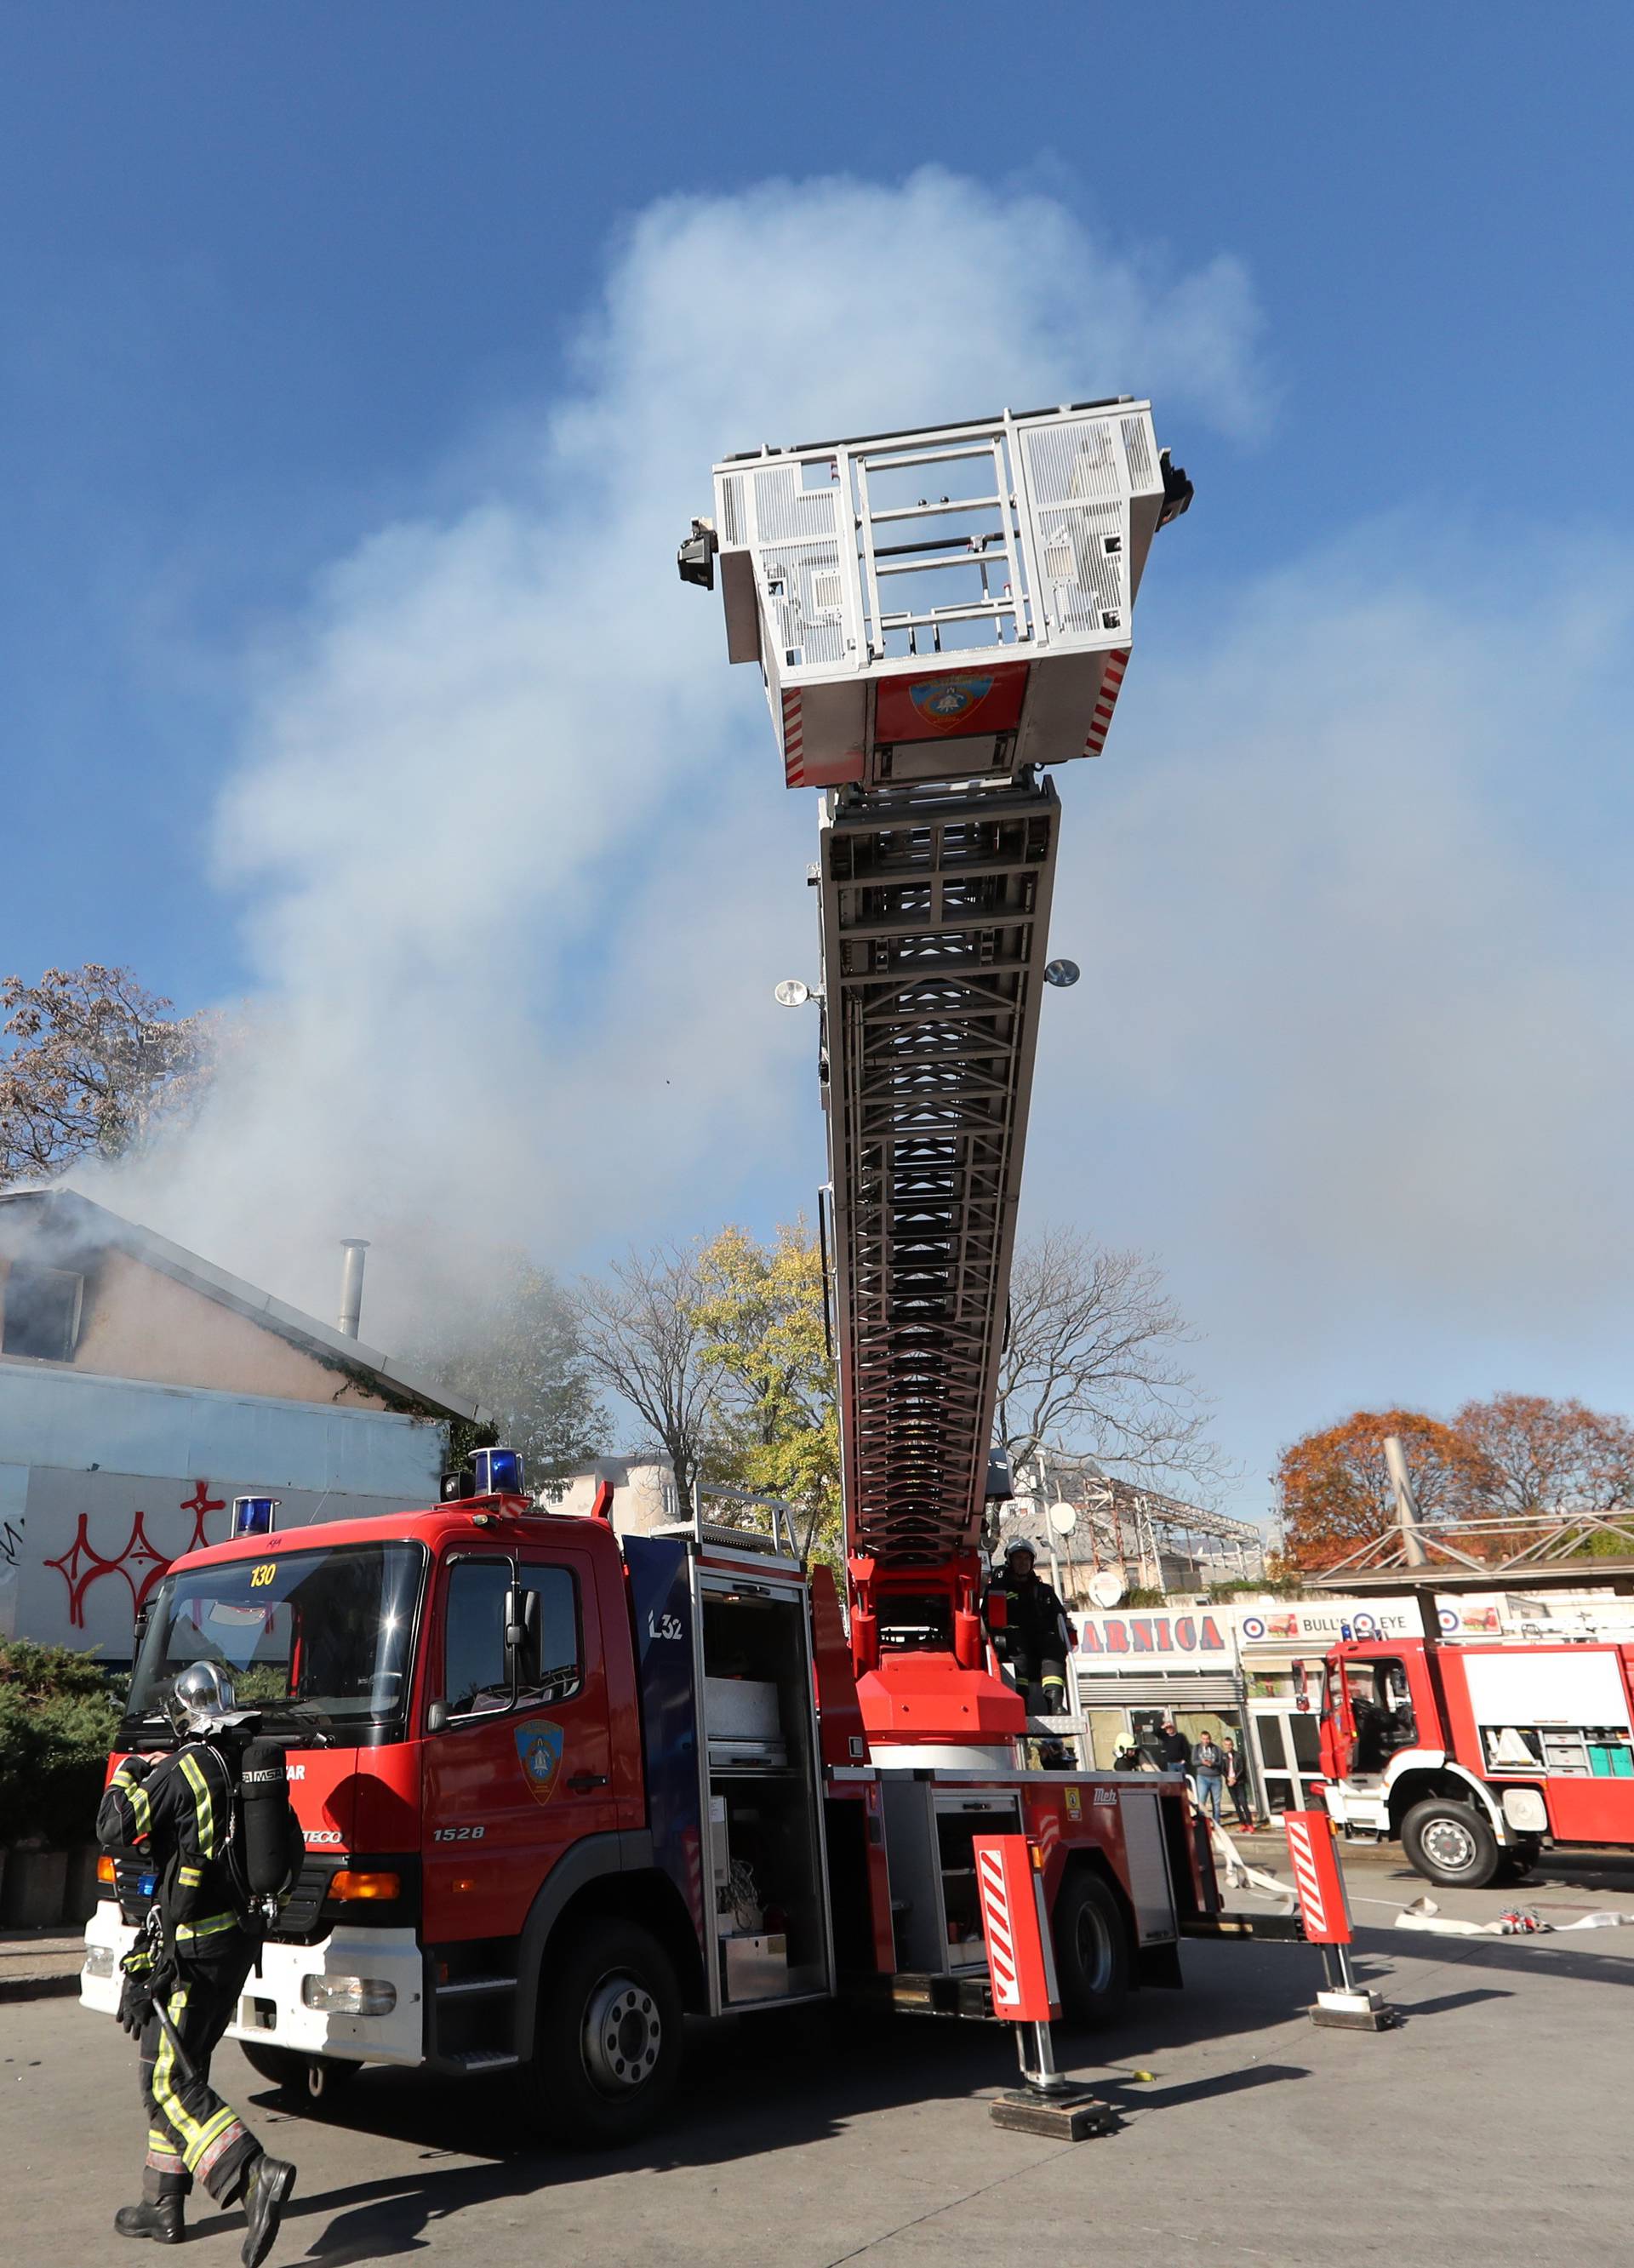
x: 458, y: 1834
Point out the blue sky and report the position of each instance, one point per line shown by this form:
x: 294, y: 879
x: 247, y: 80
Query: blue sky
x: 292, y: 307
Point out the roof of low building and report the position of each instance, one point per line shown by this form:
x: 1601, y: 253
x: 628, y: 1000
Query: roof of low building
x: 58, y: 1212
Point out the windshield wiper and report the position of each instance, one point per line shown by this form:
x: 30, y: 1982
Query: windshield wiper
x: 297, y: 1713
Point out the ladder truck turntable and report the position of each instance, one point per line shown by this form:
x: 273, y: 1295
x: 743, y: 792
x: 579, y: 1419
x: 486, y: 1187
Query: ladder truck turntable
x: 559, y: 1788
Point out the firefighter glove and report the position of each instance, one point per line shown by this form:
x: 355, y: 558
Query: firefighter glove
x: 135, y: 1994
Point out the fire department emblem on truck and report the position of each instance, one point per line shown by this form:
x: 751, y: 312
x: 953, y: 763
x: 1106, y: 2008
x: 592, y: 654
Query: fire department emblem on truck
x: 539, y: 1745
x: 950, y: 701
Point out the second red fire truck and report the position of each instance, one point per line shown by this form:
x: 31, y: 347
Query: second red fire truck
x: 1474, y: 1755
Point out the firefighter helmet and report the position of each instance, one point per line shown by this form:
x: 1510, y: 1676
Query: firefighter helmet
x: 201, y: 1700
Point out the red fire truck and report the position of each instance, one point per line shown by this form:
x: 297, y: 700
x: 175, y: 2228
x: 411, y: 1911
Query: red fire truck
x: 1476, y: 1755
x: 559, y: 1788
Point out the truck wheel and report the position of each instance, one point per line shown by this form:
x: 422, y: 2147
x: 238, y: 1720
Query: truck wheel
x: 606, y: 2045
x: 315, y: 2080
x: 1450, y: 1843
x: 1092, y: 1949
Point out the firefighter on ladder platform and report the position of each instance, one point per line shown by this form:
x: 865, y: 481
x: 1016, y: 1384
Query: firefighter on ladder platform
x: 1031, y: 1635
x: 185, y: 1973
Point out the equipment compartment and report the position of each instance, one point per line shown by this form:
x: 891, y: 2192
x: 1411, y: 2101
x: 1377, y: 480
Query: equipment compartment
x: 767, y: 1873
x: 929, y: 1835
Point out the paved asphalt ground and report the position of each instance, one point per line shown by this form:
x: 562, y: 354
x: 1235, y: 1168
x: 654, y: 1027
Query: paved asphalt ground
x: 1491, y: 2127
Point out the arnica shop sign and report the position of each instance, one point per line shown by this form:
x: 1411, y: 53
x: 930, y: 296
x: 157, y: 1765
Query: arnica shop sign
x: 1150, y: 1634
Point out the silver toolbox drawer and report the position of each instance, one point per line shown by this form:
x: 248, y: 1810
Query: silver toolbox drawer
x: 757, y: 1968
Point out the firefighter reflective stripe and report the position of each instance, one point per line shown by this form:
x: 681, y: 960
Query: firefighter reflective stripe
x: 212, y: 2130
x: 196, y: 2136
x: 189, y: 1877
x: 165, y: 2097
x: 135, y: 1797
x: 193, y: 1773
x: 213, y: 1928
x: 163, y: 2155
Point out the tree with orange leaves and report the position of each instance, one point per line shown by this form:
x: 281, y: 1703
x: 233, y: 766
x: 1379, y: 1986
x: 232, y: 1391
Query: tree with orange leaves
x: 1334, y: 1493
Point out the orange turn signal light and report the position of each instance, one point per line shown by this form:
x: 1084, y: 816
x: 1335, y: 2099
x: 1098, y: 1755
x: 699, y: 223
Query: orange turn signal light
x: 349, y: 1884
x: 104, y: 1870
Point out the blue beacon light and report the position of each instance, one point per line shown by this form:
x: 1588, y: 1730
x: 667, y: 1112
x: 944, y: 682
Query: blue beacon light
x: 498, y: 1472
x: 254, y: 1515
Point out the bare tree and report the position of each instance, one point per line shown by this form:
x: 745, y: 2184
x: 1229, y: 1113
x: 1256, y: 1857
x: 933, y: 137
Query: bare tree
x: 646, y: 1336
x: 1092, y: 1365
x: 1541, y: 1455
x: 90, y: 1063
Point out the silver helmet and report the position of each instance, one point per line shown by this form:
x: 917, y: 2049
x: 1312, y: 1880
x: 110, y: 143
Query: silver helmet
x: 201, y: 1700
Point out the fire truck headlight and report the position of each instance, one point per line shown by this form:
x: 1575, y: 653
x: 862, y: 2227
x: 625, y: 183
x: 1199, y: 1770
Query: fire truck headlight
x: 349, y: 1996
x: 99, y: 1961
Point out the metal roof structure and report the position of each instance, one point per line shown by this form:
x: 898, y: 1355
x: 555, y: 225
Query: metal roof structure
x: 1546, y: 1551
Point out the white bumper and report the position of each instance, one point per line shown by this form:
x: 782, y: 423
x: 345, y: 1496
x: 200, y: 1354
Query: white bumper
x: 271, y: 2007
x: 108, y: 1941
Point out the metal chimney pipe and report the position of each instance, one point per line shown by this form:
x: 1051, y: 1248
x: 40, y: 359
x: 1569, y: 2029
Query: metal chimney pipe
x: 351, y: 1285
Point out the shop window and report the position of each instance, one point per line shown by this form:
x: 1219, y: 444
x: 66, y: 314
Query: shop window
x: 41, y: 1313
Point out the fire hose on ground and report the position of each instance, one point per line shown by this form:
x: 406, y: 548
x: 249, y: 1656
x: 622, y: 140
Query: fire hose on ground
x: 1423, y: 1914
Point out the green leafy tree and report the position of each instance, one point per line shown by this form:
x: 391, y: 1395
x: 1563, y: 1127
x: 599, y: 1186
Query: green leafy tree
x: 58, y: 1716
x: 774, y: 1422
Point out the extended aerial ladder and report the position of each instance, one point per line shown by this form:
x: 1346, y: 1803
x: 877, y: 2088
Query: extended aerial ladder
x: 938, y: 616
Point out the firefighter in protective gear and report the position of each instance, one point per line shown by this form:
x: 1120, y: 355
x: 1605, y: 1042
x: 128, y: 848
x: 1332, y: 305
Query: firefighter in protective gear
x: 183, y: 1978
x: 1032, y: 1637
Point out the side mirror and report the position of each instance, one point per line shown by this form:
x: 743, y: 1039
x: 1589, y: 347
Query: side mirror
x: 437, y: 1717
x: 522, y: 1632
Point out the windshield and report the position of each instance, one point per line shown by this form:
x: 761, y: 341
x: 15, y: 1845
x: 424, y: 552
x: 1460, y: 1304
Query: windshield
x: 315, y: 1638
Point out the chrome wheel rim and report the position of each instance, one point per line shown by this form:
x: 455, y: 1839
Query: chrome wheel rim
x: 623, y: 2033
x: 1450, y: 1845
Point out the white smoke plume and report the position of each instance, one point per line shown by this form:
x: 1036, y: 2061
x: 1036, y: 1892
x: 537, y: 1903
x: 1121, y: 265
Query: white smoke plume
x: 1352, y: 1052
x: 519, y: 868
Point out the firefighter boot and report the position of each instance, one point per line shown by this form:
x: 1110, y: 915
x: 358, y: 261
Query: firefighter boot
x: 266, y: 2188
x: 161, y: 2221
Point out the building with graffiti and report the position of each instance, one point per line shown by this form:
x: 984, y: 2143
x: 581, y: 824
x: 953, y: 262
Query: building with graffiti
x: 142, y: 1388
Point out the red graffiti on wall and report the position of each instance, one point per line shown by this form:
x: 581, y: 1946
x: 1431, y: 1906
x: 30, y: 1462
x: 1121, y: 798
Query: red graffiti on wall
x: 82, y: 1563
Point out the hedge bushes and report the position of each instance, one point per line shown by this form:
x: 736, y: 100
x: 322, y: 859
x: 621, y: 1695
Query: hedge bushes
x: 58, y: 1720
